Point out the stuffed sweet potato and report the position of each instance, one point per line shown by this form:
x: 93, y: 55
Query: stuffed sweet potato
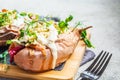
x: 44, y: 44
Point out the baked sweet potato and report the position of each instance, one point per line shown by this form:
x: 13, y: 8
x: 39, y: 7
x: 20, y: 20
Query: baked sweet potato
x: 44, y: 44
x: 33, y: 60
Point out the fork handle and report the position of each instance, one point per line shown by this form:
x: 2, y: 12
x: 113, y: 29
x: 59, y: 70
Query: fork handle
x: 85, y: 79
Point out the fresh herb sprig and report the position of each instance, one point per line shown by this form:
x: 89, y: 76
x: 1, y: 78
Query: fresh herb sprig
x: 63, y: 25
x: 78, y: 24
x: 84, y: 35
x: 86, y: 40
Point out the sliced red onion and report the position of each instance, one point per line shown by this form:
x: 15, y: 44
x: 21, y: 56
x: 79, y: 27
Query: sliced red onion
x: 14, y: 51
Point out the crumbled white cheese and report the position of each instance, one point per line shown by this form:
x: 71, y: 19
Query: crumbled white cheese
x: 17, y: 22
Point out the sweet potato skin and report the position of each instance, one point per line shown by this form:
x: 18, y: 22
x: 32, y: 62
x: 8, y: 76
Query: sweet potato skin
x: 9, y: 32
x: 33, y: 60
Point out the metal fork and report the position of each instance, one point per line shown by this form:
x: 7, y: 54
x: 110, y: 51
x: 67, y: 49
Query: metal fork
x: 95, y: 70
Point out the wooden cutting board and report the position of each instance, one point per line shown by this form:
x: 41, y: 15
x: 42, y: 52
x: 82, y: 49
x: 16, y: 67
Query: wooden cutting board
x: 67, y: 73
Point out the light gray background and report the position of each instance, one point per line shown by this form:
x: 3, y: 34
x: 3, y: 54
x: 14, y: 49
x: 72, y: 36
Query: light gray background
x: 102, y: 14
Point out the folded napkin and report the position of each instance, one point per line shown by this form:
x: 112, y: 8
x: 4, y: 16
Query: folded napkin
x: 89, y: 55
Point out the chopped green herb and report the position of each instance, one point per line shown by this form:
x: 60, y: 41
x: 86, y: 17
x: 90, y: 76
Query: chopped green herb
x: 23, y: 13
x: 4, y: 19
x: 32, y: 22
x: 7, y: 17
x: 62, y: 24
x: 22, y: 33
x: 9, y: 41
x: 15, y: 11
x: 58, y: 31
x: 69, y: 19
x: 47, y: 23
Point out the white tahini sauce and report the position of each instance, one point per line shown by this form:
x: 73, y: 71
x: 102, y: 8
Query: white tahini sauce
x: 42, y: 39
x: 54, y: 53
x: 53, y: 33
x: 50, y: 42
x: 52, y: 37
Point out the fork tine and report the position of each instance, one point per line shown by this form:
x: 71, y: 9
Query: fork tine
x: 97, y: 58
x: 100, y: 63
x: 104, y: 66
